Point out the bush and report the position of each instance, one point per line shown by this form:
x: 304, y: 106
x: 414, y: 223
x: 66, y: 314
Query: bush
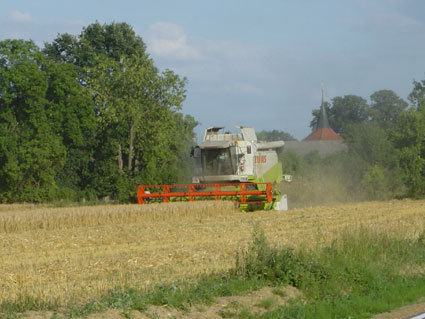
x: 375, y: 183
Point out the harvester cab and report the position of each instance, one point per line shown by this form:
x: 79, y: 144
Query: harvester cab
x: 225, y: 157
x: 229, y: 166
x: 236, y: 158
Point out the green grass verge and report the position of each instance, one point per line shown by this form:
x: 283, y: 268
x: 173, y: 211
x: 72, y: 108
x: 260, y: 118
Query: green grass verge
x: 355, y: 305
x: 360, y: 274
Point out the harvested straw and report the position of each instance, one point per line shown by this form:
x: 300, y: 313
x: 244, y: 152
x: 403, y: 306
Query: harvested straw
x: 76, y: 254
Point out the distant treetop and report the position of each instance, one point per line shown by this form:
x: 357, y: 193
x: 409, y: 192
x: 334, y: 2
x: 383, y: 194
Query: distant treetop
x: 274, y: 135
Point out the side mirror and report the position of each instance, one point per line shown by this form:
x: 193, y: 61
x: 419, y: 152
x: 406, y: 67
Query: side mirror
x: 287, y: 178
x: 192, y: 151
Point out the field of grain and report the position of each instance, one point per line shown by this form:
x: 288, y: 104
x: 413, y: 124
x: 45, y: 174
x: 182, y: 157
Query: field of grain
x: 76, y: 254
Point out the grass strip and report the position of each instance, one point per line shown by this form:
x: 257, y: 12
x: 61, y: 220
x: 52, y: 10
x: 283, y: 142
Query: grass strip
x: 398, y: 293
x: 359, y: 275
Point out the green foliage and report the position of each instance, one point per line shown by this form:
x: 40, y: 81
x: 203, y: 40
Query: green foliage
x: 417, y: 96
x: 30, y: 149
x: 375, y: 183
x: 357, y: 275
x: 137, y: 110
x: 386, y: 142
x: 180, y: 295
x: 278, y: 266
x: 386, y: 108
x: 409, y: 140
x: 141, y: 136
x: 398, y: 292
x: 113, y: 41
x: 89, y: 117
x: 292, y: 163
x: 274, y: 135
x: 336, y: 178
x: 378, y: 167
x: 72, y: 117
x: 350, y: 109
x: 369, y: 142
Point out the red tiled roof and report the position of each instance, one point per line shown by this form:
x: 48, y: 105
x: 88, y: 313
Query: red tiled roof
x: 323, y: 134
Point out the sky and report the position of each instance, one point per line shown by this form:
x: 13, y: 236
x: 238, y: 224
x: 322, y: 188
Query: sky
x: 254, y: 63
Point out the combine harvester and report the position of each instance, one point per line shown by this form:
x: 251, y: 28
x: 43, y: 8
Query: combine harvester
x: 229, y: 166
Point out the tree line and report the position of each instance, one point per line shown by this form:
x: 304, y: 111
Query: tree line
x: 89, y: 116
x: 386, y: 146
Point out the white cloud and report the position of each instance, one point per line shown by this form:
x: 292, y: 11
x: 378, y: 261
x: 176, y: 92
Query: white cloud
x: 212, y: 66
x: 20, y: 25
x: 17, y: 16
x: 169, y: 40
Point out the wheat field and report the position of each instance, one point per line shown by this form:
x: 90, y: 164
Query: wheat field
x: 77, y: 254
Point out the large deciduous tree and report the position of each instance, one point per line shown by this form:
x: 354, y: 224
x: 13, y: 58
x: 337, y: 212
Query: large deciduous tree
x: 350, y: 109
x: 113, y: 40
x: 141, y: 133
x: 409, y: 139
x: 47, y: 126
x: 71, y: 114
x: 417, y: 96
x: 30, y: 151
x: 137, y: 105
x: 386, y: 108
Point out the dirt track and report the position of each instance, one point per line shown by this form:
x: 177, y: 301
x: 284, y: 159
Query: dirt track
x: 255, y: 302
x: 403, y: 312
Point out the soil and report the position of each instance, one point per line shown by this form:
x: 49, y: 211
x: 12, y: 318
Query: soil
x: 260, y: 301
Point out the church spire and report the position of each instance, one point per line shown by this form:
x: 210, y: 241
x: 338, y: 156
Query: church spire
x: 323, y: 131
x: 323, y: 118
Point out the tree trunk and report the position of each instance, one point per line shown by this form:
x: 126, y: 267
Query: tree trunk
x: 136, y: 164
x: 130, y: 148
x: 120, y: 163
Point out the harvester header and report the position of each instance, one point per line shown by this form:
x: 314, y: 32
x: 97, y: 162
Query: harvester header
x: 243, y: 193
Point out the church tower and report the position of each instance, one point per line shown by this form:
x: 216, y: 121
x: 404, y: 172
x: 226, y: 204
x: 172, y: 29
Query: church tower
x: 323, y: 132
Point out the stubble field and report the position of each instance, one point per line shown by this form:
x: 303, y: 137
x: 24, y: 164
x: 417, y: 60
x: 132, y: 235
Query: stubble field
x: 76, y: 254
